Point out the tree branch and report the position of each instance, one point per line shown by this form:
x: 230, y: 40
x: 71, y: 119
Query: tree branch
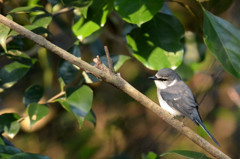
x: 118, y: 82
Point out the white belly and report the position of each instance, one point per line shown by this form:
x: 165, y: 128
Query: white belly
x: 166, y: 107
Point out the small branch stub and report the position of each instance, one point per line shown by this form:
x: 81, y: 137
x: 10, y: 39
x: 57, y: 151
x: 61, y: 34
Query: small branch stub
x: 110, y: 62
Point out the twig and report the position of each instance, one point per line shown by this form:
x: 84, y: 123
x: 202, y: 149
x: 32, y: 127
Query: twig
x: 53, y: 98
x: 64, y: 10
x: 118, y: 82
x: 110, y: 62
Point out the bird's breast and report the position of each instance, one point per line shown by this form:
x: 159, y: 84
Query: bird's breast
x: 166, y: 107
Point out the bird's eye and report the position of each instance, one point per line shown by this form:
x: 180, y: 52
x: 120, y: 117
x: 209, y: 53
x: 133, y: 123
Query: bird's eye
x: 163, y: 79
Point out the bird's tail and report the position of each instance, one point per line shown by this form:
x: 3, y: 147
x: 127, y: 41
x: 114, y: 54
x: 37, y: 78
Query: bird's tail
x: 206, y: 130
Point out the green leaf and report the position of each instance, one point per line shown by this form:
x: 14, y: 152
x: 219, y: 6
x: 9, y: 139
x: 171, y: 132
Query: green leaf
x: 36, y: 112
x: 188, y: 154
x: 28, y: 9
x: 66, y: 70
x: 79, y: 103
x: 28, y: 156
x: 20, y: 56
x: 223, y: 41
x: 11, y: 73
x: 32, y: 94
x: 9, y: 124
x: 41, y: 20
x: 120, y: 61
x: 54, y: 2
x: 137, y: 12
x: 150, y: 155
x: 96, y: 18
x: 4, y: 30
x: 157, y: 43
x: 9, y: 150
x: 91, y: 117
x: 78, y: 3
x: 1, y: 140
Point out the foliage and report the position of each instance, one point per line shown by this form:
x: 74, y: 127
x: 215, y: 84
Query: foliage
x: 155, y: 37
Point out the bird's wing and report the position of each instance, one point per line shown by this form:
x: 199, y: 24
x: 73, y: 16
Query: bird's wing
x: 180, y: 97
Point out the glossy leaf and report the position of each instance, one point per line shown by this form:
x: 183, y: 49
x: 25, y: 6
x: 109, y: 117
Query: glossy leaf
x: 54, y: 2
x: 9, y: 124
x: 91, y: 117
x: 11, y: 73
x: 78, y: 3
x: 120, y: 61
x: 20, y: 56
x: 79, y: 103
x: 137, y: 12
x: 223, y: 41
x: 4, y: 30
x: 36, y: 112
x: 32, y: 94
x: 66, y: 70
x: 41, y: 20
x: 67, y: 107
x: 1, y: 140
x: 157, y: 43
x: 28, y: 156
x: 28, y: 9
x: 188, y: 154
x: 150, y: 155
x: 96, y: 18
x: 9, y: 150
x: 4, y: 141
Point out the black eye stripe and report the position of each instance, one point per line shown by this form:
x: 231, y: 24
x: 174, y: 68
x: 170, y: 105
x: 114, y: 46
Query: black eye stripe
x: 162, y: 78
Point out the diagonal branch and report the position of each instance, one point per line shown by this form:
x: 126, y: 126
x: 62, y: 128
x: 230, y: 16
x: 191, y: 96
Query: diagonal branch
x: 118, y: 82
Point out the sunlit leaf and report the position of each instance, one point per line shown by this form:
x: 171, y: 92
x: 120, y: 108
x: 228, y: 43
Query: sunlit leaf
x: 41, y: 20
x: 185, y: 153
x: 9, y: 124
x: 32, y: 94
x: 79, y: 103
x: 96, y: 18
x: 4, y: 30
x: 157, y: 43
x: 36, y: 112
x: 223, y: 40
x: 137, y: 12
x: 11, y: 73
x: 150, y: 155
x: 66, y: 70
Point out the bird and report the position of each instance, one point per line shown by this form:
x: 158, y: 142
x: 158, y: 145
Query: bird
x: 175, y: 97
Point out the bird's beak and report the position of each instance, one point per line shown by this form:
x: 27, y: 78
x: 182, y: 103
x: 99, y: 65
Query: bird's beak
x: 153, y: 78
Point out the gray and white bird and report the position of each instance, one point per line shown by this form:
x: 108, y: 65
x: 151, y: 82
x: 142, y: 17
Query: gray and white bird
x: 176, y: 97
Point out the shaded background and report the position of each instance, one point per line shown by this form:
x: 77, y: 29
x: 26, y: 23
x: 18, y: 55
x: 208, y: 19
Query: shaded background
x: 124, y: 128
